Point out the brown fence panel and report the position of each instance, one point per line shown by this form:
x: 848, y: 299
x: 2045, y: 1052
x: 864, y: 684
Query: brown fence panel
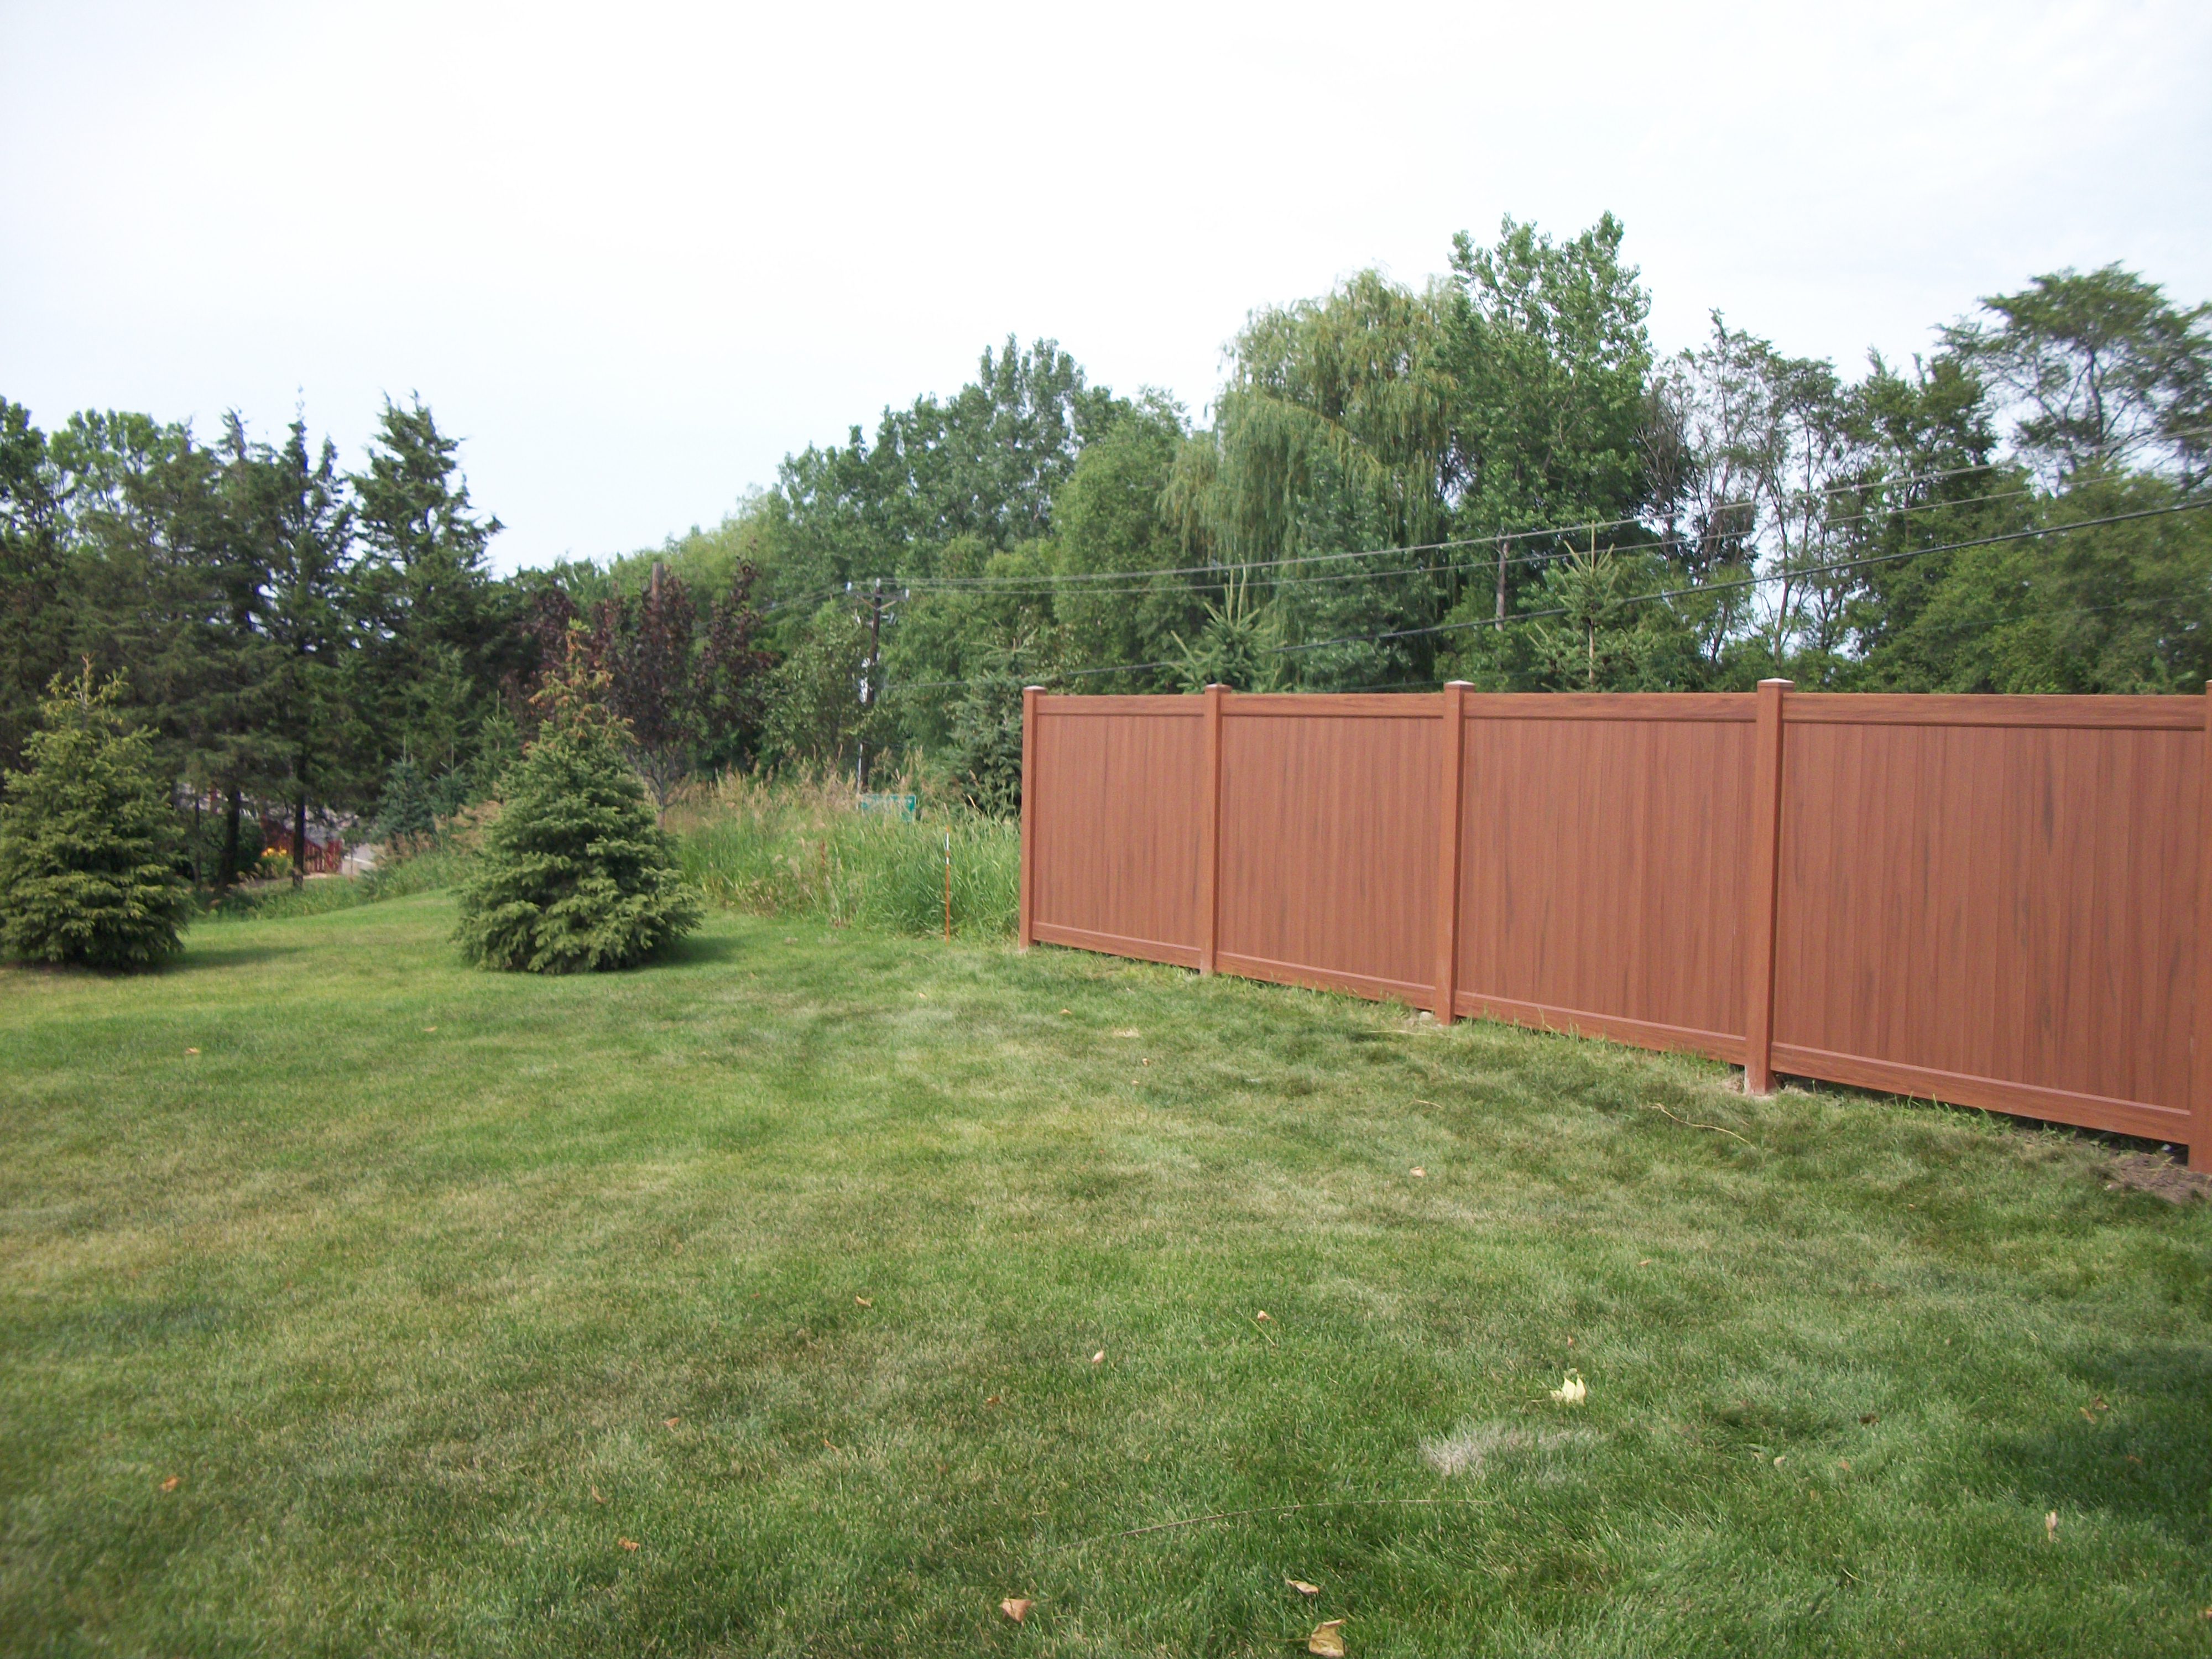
x: 1993, y: 900
x: 1328, y: 841
x: 1605, y: 861
x: 1113, y: 811
x: 1997, y: 902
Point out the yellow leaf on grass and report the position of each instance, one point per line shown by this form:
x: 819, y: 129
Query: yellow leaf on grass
x: 1572, y: 1390
x: 1327, y: 1640
x: 1302, y: 1587
x: 173, y: 1483
x: 627, y: 1543
x: 1017, y: 1608
x: 670, y: 1422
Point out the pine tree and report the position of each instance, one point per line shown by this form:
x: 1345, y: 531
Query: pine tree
x: 576, y: 874
x: 89, y: 844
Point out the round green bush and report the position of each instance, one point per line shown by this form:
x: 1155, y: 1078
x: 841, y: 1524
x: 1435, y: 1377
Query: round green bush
x: 90, y: 846
x: 576, y: 873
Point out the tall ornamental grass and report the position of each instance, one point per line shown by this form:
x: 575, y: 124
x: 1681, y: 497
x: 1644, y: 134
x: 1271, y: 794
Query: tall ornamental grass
x: 805, y: 846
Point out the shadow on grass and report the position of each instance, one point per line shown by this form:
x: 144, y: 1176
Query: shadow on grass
x: 230, y: 954
x: 2136, y: 1446
x: 700, y: 950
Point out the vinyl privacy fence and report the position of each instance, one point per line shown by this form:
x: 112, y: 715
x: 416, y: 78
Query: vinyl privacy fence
x: 1996, y: 902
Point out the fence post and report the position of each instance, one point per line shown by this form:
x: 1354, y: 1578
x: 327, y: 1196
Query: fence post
x: 1765, y: 880
x: 1029, y: 695
x: 1209, y: 835
x: 1448, y: 811
x: 2199, y: 1060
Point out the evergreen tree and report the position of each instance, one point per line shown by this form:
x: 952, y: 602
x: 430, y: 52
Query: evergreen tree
x: 89, y: 844
x: 34, y: 619
x: 576, y: 874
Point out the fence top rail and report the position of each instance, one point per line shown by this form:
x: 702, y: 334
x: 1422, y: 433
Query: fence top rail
x: 2085, y: 712
x: 1723, y: 705
x: 2068, y: 712
x: 1335, y: 705
x: 1165, y: 702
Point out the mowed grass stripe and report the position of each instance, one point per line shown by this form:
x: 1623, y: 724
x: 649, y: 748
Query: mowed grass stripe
x: 408, y: 1261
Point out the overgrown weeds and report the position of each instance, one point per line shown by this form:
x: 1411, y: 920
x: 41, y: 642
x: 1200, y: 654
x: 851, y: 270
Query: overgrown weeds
x: 809, y: 846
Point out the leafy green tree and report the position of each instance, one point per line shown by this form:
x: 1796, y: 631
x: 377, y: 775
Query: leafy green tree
x: 89, y: 843
x: 815, y: 713
x: 1111, y: 516
x: 1549, y: 352
x: 985, y: 464
x: 2102, y: 371
x: 575, y: 875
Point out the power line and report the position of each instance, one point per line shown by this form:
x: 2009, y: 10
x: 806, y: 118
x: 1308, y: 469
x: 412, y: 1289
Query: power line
x: 1052, y: 583
x: 1664, y: 544
x: 1756, y: 579
x: 1732, y: 585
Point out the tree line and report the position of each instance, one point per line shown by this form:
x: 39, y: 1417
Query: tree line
x: 1490, y: 477
x: 299, y: 638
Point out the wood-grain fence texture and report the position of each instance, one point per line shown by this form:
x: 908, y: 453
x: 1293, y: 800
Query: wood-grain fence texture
x: 1997, y: 902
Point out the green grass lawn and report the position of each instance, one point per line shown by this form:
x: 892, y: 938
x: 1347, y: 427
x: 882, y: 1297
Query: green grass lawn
x: 355, y: 1302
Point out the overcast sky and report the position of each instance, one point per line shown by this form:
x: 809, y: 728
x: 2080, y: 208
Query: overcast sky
x: 635, y: 254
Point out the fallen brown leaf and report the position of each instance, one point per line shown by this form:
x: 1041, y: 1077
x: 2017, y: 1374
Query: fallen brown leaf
x: 1017, y: 1608
x: 191, y: 1051
x: 2050, y: 1528
x: 1844, y: 1464
x: 627, y: 1543
x: 1327, y: 1640
x: 2089, y: 1414
x: 1065, y: 1010
x: 596, y: 1498
x: 994, y: 1400
x: 1098, y: 1358
x: 670, y: 1422
x: 173, y: 1483
x: 1302, y: 1587
x: 1646, y: 1262
x: 1417, y: 1173
x: 1869, y: 1417
x: 1261, y: 1318
x: 864, y: 1301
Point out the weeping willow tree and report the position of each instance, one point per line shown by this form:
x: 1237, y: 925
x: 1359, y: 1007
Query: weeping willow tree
x: 1333, y: 434
x: 1510, y: 395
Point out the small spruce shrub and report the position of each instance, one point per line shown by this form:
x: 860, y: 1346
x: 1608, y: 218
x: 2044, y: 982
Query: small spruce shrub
x: 91, y: 850
x: 575, y: 874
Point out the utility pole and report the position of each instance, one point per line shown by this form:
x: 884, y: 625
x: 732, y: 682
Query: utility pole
x: 870, y: 677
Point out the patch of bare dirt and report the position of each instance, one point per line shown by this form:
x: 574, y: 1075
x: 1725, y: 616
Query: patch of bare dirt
x: 2155, y: 1173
